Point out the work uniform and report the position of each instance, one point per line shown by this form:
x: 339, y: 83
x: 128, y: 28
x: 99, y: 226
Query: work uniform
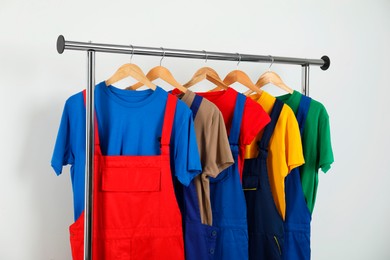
x: 316, y: 144
x: 135, y: 213
x: 298, y: 216
x: 265, y: 225
x: 199, y: 235
x: 228, y: 201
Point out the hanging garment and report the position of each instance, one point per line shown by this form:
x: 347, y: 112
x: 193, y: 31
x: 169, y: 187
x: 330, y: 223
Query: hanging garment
x: 194, y: 200
x: 298, y: 217
x: 135, y: 210
x: 228, y: 201
x: 265, y: 225
x: 130, y: 123
x: 254, y: 118
x: 284, y: 151
x: 213, y: 144
x: 316, y: 142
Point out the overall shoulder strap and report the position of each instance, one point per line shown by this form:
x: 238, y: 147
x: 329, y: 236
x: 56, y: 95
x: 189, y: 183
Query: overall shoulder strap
x: 195, y: 105
x: 169, y: 116
x: 237, y: 119
x: 269, y: 129
x: 303, y: 109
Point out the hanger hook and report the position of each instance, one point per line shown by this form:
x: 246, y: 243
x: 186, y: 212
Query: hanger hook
x: 238, y: 58
x: 132, y: 53
x: 272, y: 62
x: 205, y: 54
x: 163, y: 56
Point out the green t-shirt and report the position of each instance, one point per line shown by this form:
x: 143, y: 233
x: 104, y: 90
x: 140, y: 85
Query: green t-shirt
x: 316, y: 143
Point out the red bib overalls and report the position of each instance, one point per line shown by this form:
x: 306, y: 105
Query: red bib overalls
x: 135, y: 212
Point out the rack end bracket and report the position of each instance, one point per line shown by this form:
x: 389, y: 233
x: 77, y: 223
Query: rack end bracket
x: 326, y: 62
x: 60, y: 44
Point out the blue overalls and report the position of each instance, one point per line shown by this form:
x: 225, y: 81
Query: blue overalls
x: 298, y: 217
x: 228, y: 200
x: 265, y: 225
x: 199, y: 239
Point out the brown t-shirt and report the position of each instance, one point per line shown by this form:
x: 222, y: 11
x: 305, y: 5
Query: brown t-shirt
x: 214, y: 150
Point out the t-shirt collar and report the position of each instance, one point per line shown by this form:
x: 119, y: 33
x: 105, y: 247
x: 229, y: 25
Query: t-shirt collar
x: 120, y: 95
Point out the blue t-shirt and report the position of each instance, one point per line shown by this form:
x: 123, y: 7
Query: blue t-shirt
x: 129, y: 123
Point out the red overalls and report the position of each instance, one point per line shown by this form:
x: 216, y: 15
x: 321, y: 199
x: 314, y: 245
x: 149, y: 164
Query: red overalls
x: 135, y: 212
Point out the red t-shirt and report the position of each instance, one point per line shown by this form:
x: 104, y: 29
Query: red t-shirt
x: 254, y: 118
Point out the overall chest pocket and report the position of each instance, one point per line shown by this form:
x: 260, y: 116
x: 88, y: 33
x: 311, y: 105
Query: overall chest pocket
x: 145, y: 179
x: 250, y: 182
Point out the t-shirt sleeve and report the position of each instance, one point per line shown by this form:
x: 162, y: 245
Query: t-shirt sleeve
x: 293, y: 143
x: 253, y: 121
x: 216, y: 153
x: 325, y: 156
x: 62, y: 154
x: 185, y: 153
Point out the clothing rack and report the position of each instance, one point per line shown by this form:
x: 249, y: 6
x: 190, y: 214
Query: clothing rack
x: 92, y: 48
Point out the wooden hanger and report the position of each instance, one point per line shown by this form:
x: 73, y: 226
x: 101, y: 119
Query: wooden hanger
x: 273, y: 78
x: 133, y: 71
x: 160, y: 72
x: 206, y: 73
x: 241, y: 77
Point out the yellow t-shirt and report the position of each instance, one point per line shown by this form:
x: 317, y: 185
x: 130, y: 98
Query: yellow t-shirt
x: 285, y: 148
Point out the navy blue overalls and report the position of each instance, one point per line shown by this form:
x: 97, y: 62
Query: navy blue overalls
x: 298, y: 217
x: 199, y: 239
x: 228, y: 200
x: 265, y: 225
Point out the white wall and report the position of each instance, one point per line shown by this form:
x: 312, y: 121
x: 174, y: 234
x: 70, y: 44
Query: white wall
x: 351, y: 219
